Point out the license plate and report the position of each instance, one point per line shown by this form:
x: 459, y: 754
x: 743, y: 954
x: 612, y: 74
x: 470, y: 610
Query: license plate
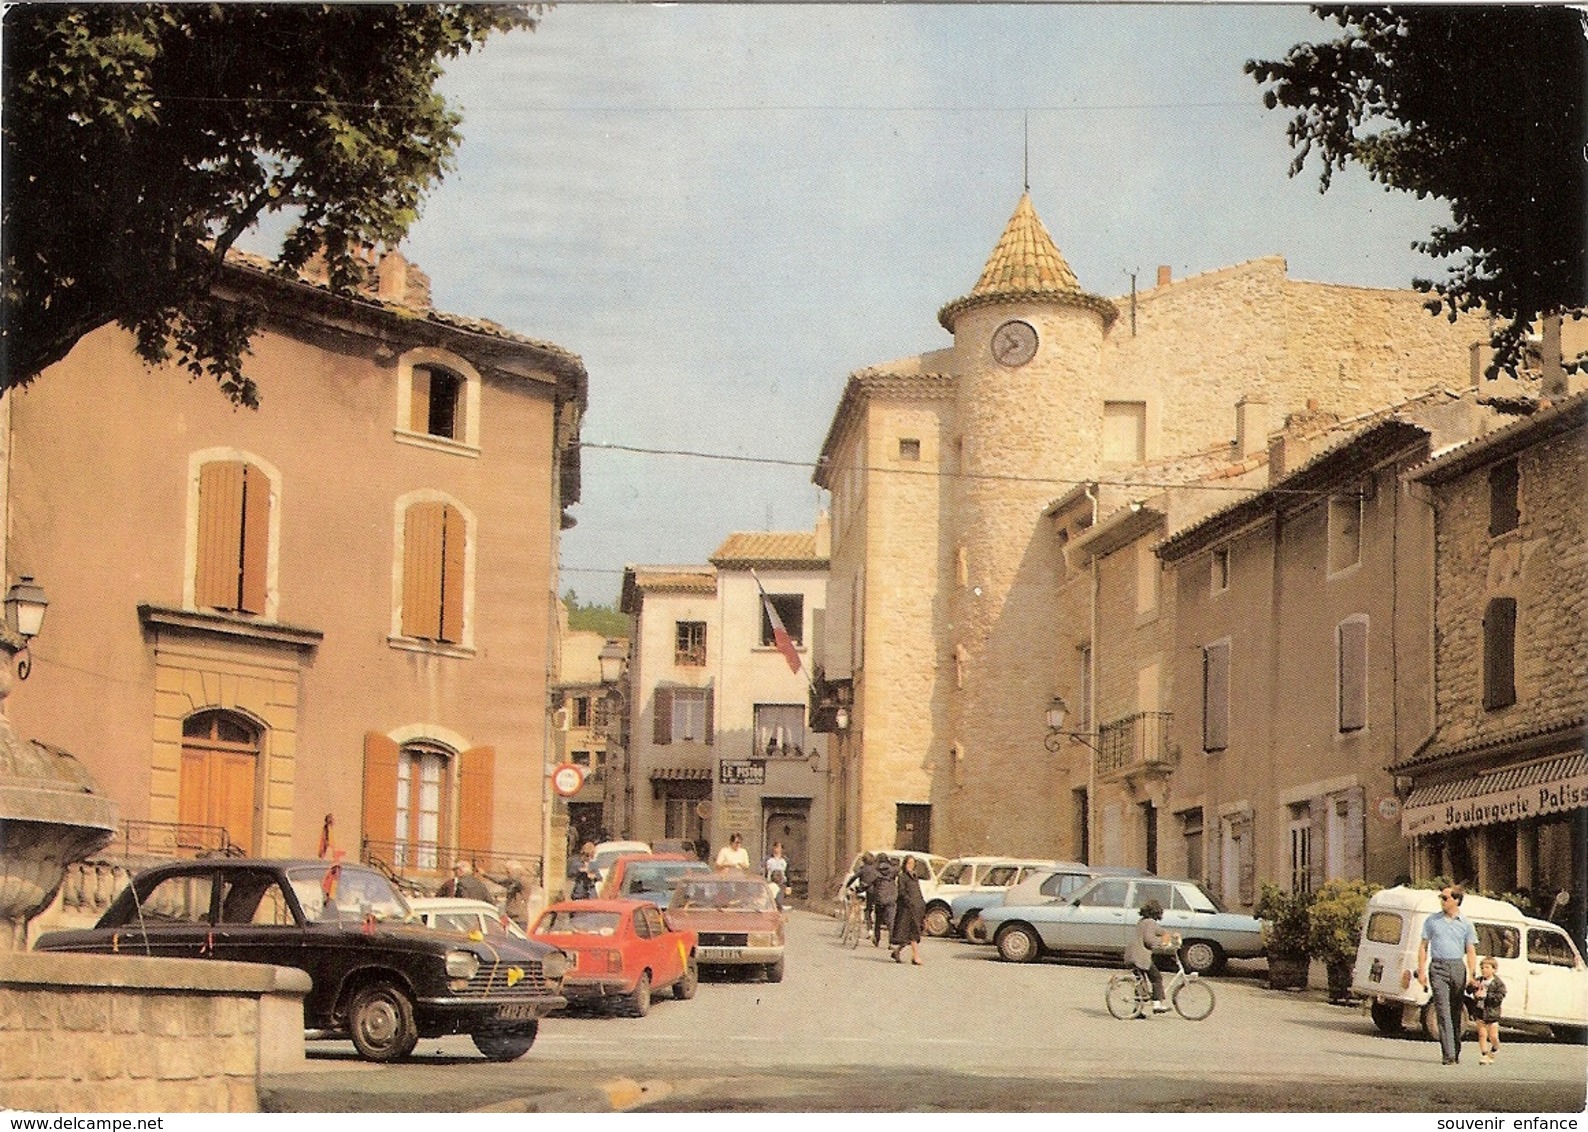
x: 515, y: 1012
x: 715, y: 954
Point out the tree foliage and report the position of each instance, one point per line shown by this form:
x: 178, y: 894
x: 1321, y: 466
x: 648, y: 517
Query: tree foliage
x: 594, y: 618
x: 141, y: 140
x: 1481, y: 106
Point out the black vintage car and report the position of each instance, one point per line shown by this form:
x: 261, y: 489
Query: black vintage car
x: 380, y: 977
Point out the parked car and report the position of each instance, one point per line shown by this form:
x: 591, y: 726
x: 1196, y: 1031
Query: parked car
x: 927, y: 867
x: 622, y: 951
x: 1038, y: 886
x: 1545, y: 978
x: 1100, y: 917
x: 971, y: 874
x: 608, y: 851
x: 379, y: 977
x: 735, y: 920
x: 460, y: 914
x: 649, y: 876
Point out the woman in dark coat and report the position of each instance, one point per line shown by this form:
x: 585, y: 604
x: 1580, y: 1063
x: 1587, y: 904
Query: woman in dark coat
x: 909, y: 915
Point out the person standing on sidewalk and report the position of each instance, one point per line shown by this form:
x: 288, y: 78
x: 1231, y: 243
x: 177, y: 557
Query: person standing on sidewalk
x: 1447, y: 963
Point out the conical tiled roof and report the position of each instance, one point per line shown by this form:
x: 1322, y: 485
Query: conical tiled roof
x: 1026, y: 264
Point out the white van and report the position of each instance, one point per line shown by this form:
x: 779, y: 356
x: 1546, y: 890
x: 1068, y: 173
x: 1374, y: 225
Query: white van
x: 1546, y: 981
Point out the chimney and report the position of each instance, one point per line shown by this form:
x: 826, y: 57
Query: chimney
x: 824, y: 535
x: 1251, y: 426
x: 1276, y: 457
x: 392, y: 274
x: 1555, y: 386
x: 1164, y: 275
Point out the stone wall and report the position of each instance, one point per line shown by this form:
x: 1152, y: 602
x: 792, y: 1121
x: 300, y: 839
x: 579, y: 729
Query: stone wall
x: 108, y: 1033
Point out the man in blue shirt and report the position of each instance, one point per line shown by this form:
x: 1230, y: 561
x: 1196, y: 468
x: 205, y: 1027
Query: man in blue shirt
x: 1448, y: 955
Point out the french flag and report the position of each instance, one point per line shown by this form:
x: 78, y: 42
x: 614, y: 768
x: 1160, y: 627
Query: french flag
x: 780, y: 637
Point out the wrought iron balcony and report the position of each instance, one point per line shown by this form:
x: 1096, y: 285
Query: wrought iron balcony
x: 1135, y: 744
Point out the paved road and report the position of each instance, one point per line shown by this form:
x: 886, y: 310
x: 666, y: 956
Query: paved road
x: 851, y: 1030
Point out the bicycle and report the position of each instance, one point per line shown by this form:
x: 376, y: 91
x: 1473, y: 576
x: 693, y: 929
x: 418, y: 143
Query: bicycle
x: 1130, y: 993
x: 854, y: 920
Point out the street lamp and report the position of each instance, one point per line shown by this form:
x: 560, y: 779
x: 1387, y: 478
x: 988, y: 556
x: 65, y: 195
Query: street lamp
x: 25, y: 605
x: 1058, y: 710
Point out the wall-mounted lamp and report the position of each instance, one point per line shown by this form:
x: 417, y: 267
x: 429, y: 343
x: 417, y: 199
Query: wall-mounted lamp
x: 25, y: 605
x: 613, y: 657
x: 1058, y: 710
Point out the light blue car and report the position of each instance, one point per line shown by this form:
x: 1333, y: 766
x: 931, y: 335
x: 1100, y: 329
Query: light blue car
x: 1098, y: 920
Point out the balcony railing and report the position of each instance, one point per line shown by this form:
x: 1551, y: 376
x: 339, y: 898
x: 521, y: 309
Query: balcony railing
x: 1138, y: 742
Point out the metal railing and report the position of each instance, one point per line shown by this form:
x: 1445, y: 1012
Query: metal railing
x: 1135, y: 742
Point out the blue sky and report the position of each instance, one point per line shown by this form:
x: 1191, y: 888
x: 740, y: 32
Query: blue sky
x: 727, y: 209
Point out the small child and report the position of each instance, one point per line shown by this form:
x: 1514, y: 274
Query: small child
x: 1488, y: 992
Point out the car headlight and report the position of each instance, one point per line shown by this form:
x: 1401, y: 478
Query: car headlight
x: 462, y: 964
x: 554, y: 965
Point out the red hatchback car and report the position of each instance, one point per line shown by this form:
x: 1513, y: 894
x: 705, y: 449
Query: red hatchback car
x: 622, y: 950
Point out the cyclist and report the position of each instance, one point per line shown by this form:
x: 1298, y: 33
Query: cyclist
x: 1148, y: 938
x: 860, y: 887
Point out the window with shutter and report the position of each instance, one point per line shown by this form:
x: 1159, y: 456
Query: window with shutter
x: 1216, y: 697
x: 662, y: 717
x: 233, y: 553
x: 1499, y: 653
x: 1352, y: 651
x: 1504, y: 508
x: 435, y: 547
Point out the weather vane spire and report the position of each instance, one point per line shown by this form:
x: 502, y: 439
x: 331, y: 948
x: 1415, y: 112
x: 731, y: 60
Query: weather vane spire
x: 1027, y: 169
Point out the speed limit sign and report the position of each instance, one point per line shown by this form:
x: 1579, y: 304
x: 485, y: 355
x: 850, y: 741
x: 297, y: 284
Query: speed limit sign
x: 567, y: 779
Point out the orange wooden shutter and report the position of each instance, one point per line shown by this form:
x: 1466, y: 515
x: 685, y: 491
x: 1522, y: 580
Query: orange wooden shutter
x: 476, y: 797
x: 255, y: 539
x: 220, y: 534
x: 454, y: 543
x: 710, y: 724
x: 380, y: 793
x: 422, y: 557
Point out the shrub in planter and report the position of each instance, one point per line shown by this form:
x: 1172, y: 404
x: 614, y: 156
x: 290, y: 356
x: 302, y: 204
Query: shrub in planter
x: 1335, y: 926
x: 1286, y: 933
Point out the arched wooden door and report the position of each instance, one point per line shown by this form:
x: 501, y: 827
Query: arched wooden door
x: 220, y: 766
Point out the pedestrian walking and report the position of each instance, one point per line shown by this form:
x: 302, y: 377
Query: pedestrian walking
x: 885, y: 896
x: 583, y: 873
x: 866, y: 876
x: 463, y: 883
x: 1487, y: 996
x: 1447, y: 963
x: 909, y: 915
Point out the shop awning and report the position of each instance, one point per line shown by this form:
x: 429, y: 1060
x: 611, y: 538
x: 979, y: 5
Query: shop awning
x: 680, y: 774
x: 1506, y: 795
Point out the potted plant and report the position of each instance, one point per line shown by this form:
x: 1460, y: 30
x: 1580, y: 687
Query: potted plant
x: 1335, y: 928
x: 1286, y: 932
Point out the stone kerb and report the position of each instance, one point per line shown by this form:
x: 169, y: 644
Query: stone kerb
x: 107, y: 1033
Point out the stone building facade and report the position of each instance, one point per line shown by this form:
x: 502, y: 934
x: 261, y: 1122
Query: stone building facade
x: 942, y: 465
x: 1499, y: 794
x: 333, y: 614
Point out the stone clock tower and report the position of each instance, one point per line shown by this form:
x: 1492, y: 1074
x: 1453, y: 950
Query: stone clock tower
x: 1028, y: 345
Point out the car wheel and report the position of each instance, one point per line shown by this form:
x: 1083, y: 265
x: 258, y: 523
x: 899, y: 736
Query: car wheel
x: 1202, y: 956
x: 1577, y: 1035
x: 974, y: 928
x: 506, y: 1043
x: 684, y: 988
x: 1389, y: 1017
x: 637, y: 1003
x: 774, y: 972
x: 1017, y: 943
x: 936, y: 921
x: 380, y: 1020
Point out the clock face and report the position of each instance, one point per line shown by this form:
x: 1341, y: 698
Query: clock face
x: 1014, y: 343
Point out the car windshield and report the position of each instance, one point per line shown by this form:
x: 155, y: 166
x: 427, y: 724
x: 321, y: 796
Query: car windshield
x: 577, y: 921
x: 344, y: 894
x: 657, y: 876
x: 957, y: 872
x: 729, y: 895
